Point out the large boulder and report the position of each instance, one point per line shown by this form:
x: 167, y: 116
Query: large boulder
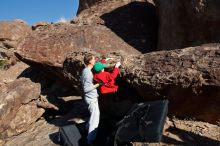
x: 87, y: 4
x: 44, y: 133
x: 18, y: 107
x: 12, y: 73
x: 11, y: 33
x: 39, y: 24
x: 189, y: 78
x: 181, y: 23
x: 136, y: 22
x: 56, y: 41
x: 40, y: 133
x: 187, y: 23
x: 183, y: 76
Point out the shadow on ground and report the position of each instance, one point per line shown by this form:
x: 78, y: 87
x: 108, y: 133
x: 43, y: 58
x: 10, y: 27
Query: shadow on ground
x: 188, y: 138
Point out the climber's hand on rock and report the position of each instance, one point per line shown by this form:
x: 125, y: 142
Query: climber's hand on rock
x: 109, y: 59
x: 118, y: 64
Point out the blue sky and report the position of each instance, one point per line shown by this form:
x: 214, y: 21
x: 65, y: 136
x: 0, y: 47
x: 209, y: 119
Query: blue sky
x: 33, y: 11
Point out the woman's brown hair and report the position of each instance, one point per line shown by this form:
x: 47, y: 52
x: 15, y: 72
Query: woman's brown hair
x: 87, y: 58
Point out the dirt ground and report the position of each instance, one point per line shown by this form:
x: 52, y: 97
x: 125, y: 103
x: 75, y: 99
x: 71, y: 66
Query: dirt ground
x: 188, y: 132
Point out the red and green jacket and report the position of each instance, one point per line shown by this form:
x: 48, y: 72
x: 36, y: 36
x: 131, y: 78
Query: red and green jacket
x: 108, y: 79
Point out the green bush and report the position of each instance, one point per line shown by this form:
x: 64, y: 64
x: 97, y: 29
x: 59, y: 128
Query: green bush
x: 3, y: 64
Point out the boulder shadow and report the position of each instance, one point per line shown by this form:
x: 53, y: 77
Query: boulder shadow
x: 136, y: 23
x: 188, y: 138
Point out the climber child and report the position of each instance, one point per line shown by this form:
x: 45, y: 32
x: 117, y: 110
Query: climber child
x: 106, y: 79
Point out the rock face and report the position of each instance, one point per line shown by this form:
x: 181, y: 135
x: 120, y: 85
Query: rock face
x: 60, y: 39
x: 18, y: 107
x: 187, y: 23
x: 87, y: 4
x: 181, y: 23
x: 43, y: 133
x: 188, y: 77
x: 12, y: 73
x: 55, y: 42
x: 135, y: 22
x: 11, y: 33
x: 35, y: 135
x: 39, y: 24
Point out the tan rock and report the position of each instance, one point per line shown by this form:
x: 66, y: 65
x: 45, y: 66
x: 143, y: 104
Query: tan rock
x: 38, y: 133
x: 12, y: 32
x: 18, y: 109
x: 12, y: 73
x: 188, y: 77
x: 39, y: 24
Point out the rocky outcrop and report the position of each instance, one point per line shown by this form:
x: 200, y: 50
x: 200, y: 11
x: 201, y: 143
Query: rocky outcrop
x: 87, y: 4
x: 18, y: 108
x: 91, y: 15
x: 36, y: 136
x: 56, y: 41
x: 135, y: 22
x: 39, y: 24
x: 187, y: 23
x: 181, y: 23
x: 126, y: 30
x: 11, y: 33
x: 188, y: 78
x: 12, y: 73
x: 44, y: 133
